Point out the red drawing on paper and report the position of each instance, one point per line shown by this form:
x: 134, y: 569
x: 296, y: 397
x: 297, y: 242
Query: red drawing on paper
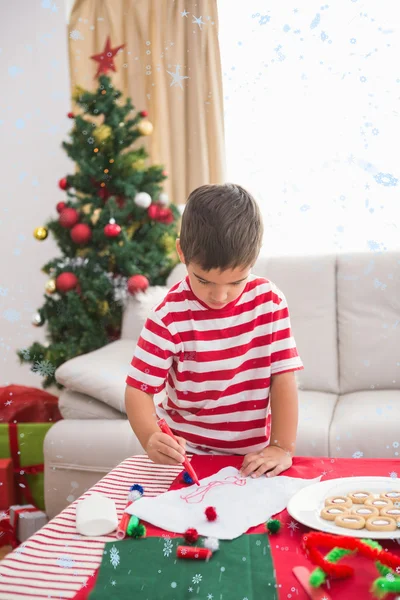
x: 199, y: 494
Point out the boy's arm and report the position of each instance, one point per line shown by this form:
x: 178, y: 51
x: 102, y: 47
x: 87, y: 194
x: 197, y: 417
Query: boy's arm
x: 284, y: 411
x: 160, y: 447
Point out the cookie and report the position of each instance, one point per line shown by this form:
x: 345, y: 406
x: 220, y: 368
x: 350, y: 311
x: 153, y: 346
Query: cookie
x: 350, y: 521
x: 393, y: 496
x: 359, y: 497
x: 381, y: 524
x: 379, y: 503
x: 365, y: 511
x: 329, y: 513
x: 338, y: 501
x: 390, y: 512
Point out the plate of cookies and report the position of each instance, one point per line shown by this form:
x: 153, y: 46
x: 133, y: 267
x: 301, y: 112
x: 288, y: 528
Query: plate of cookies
x: 365, y: 507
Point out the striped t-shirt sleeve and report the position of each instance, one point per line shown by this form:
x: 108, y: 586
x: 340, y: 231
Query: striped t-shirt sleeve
x: 153, y: 357
x: 284, y: 355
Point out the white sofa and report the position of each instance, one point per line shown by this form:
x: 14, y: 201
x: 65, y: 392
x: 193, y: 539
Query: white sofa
x: 345, y: 313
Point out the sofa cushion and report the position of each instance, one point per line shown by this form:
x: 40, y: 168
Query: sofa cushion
x: 368, y: 321
x: 366, y: 424
x: 100, y: 374
x: 309, y: 284
x: 74, y: 405
x: 316, y: 410
x: 137, y: 310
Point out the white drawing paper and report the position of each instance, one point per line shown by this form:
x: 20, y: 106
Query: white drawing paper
x: 240, y: 503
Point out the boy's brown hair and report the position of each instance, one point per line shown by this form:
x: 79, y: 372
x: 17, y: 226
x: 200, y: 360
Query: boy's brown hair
x: 221, y: 227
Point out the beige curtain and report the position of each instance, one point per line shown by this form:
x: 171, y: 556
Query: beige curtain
x: 170, y: 66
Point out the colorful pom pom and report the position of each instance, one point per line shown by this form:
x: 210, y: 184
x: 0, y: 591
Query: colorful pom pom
x: 191, y: 536
x: 137, y: 488
x: 186, y: 478
x: 211, y: 513
x: 135, y: 492
x: 211, y: 543
x: 273, y: 525
x: 139, y: 531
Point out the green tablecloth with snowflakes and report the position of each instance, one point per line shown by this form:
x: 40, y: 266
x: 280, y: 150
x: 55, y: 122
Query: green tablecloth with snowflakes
x: 147, y: 569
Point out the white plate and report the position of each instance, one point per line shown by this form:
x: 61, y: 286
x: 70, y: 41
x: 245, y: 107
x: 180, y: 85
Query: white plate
x: 305, y: 506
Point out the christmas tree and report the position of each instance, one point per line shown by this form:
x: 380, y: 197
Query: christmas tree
x: 116, y: 231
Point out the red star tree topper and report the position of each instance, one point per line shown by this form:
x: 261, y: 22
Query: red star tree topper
x: 106, y: 58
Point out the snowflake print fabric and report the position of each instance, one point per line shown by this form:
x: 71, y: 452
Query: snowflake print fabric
x: 230, y: 495
x: 148, y: 568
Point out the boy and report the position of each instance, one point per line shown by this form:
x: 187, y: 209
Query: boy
x: 220, y: 344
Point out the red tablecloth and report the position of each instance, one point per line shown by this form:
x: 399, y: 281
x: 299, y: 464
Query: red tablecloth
x: 58, y: 563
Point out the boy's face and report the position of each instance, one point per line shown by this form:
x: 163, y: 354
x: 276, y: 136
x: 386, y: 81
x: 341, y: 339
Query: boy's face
x: 216, y: 288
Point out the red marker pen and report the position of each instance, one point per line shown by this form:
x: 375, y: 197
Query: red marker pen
x: 193, y: 553
x: 163, y: 425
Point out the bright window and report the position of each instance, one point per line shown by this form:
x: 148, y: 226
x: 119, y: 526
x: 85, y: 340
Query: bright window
x: 312, y: 120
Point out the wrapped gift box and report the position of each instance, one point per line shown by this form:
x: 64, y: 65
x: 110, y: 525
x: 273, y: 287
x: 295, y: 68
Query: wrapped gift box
x: 26, y: 415
x: 7, y: 492
x: 27, y: 456
x: 26, y: 520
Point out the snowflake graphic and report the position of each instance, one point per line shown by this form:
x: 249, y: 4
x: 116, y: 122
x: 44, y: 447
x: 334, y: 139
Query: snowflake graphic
x: 114, y: 557
x: 258, y: 543
x: 75, y: 34
x: 197, y: 578
x: 395, y: 444
x: 25, y: 354
x: 197, y: 21
x: 113, y: 582
x: 20, y: 548
x: 316, y: 21
x: 65, y: 561
x: 386, y: 179
x: 167, y: 549
x: 393, y: 475
x: 210, y: 597
x: 8, y: 403
x: 3, y: 291
x: 11, y: 315
x: 183, y: 551
x: 293, y: 526
x: 264, y: 20
x: 44, y: 368
x: 143, y: 387
x: 90, y: 140
x: 358, y: 454
x: 190, y: 589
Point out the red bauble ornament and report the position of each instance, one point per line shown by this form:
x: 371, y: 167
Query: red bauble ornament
x: 68, y: 218
x: 137, y: 283
x: 60, y: 207
x: 112, y: 230
x: 70, y: 115
x: 165, y: 216
x: 152, y: 211
x: 66, y: 282
x: 103, y: 193
x: 144, y: 113
x: 81, y: 233
x: 191, y: 536
x: 164, y: 173
x: 211, y: 513
x: 63, y: 183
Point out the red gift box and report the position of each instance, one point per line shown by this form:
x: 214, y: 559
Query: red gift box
x: 7, y: 490
x: 27, y: 405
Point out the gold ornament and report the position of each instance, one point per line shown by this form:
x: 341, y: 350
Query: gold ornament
x: 51, y: 286
x: 77, y: 93
x: 103, y: 308
x: 120, y: 243
x: 145, y: 128
x: 40, y: 233
x: 139, y: 164
x: 87, y: 208
x: 95, y: 216
x: 131, y: 230
x: 102, y: 133
x: 168, y: 242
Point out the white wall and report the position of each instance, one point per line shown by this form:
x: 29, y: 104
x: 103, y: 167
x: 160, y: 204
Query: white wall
x: 34, y: 101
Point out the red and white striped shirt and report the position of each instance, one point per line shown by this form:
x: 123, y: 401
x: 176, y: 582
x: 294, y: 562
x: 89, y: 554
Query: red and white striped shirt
x: 214, y: 367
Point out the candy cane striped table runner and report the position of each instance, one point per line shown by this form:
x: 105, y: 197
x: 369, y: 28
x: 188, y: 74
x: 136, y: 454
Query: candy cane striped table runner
x: 56, y: 562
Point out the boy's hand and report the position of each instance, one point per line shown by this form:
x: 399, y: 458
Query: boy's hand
x: 271, y: 461
x: 163, y: 449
